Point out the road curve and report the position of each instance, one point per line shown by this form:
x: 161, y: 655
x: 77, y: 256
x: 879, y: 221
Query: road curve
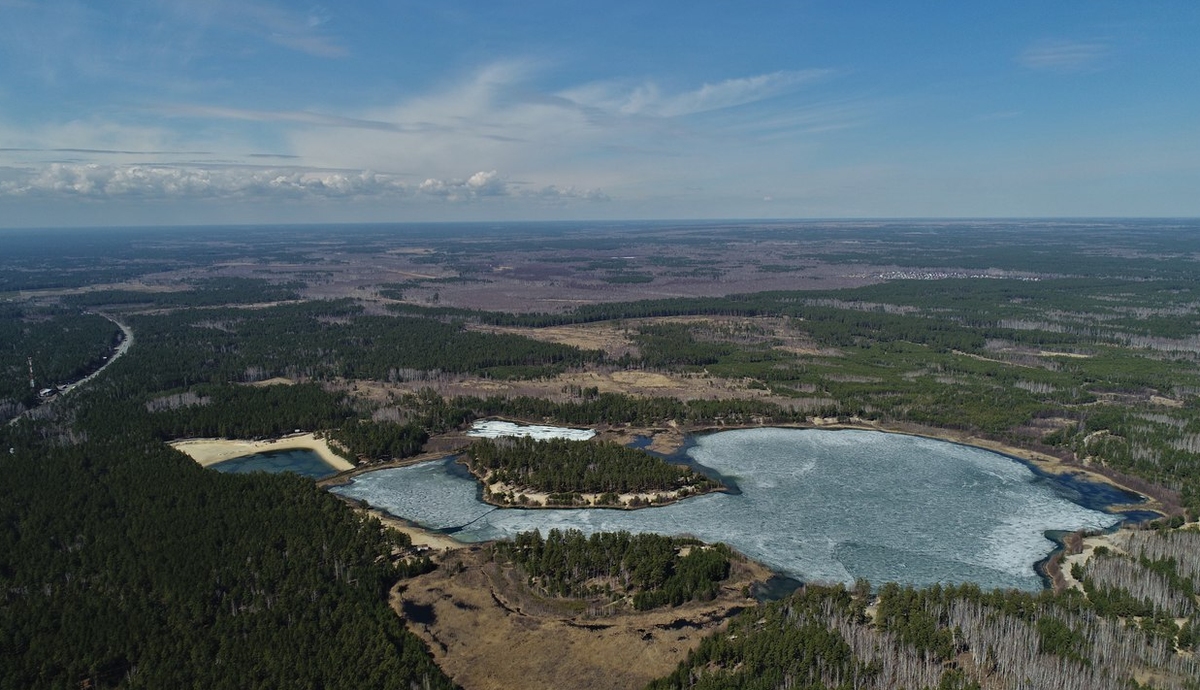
x: 126, y: 342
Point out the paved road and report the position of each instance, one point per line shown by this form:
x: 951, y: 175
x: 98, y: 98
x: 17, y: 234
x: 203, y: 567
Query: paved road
x: 126, y: 342
x: 121, y: 350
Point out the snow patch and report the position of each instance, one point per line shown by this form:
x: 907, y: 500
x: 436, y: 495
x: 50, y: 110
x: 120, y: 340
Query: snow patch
x: 496, y: 429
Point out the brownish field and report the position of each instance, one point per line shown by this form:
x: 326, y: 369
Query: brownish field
x: 525, y: 277
x: 606, y: 336
x: 614, y: 337
x: 487, y: 630
x: 276, y: 381
x: 606, y: 379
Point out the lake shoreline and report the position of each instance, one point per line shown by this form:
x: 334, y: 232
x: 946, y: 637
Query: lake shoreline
x: 1049, y: 568
x: 210, y: 451
x: 672, y: 440
x: 1071, y: 488
x: 539, y: 500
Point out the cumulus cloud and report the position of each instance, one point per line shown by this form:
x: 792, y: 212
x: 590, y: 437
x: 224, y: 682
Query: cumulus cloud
x: 481, y: 184
x: 95, y: 181
x: 1063, y: 56
x: 565, y: 147
x: 158, y: 181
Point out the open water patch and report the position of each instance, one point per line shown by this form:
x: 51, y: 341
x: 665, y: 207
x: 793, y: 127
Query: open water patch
x: 300, y: 461
x: 814, y: 505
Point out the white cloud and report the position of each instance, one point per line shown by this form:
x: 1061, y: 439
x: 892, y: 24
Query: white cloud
x: 1063, y: 56
x: 175, y: 182
x: 151, y: 182
x: 560, y: 148
x: 486, y: 121
x: 496, y: 119
x: 479, y: 185
x: 649, y: 99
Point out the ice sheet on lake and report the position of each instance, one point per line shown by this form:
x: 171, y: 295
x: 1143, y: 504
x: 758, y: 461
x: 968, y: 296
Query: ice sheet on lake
x: 819, y: 505
x: 495, y: 429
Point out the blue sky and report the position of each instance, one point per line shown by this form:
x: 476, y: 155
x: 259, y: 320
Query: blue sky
x: 232, y: 111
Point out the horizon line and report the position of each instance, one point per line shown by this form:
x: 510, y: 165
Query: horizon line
x: 813, y: 219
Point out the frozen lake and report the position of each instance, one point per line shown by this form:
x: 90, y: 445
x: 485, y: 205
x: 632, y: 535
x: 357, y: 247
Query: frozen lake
x: 817, y: 505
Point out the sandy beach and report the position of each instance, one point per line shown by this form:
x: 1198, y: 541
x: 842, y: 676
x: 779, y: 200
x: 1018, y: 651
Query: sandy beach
x: 209, y: 451
x: 419, y: 535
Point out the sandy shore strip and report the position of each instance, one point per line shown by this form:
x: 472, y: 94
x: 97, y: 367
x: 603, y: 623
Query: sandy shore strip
x: 1113, y: 542
x: 419, y: 535
x: 210, y: 451
x: 541, y: 499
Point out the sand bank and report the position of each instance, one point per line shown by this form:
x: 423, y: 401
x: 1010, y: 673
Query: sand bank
x: 541, y: 499
x: 1113, y: 542
x: 419, y: 535
x: 209, y: 451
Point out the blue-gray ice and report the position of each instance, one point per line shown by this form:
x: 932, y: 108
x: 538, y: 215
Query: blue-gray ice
x: 818, y: 505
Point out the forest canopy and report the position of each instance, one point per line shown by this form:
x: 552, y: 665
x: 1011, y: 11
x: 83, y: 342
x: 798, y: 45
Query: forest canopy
x: 650, y: 569
x: 565, y: 466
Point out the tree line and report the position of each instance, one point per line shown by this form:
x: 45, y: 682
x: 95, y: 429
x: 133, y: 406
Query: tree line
x: 821, y: 637
x: 124, y: 564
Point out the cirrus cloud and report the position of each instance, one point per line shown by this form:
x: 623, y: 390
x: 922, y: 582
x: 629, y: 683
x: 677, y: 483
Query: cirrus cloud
x: 1063, y: 56
x: 649, y: 99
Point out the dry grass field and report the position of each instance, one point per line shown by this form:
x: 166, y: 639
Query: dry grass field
x: 488, y: 631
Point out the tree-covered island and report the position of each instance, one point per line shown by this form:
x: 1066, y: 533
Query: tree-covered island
x: 565, y: 473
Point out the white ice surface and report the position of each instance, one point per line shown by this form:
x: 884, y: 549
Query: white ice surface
x: 495, y: 429
x: 819, y: 505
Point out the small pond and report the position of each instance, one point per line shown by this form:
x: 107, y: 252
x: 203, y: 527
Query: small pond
x: 297, y: 460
